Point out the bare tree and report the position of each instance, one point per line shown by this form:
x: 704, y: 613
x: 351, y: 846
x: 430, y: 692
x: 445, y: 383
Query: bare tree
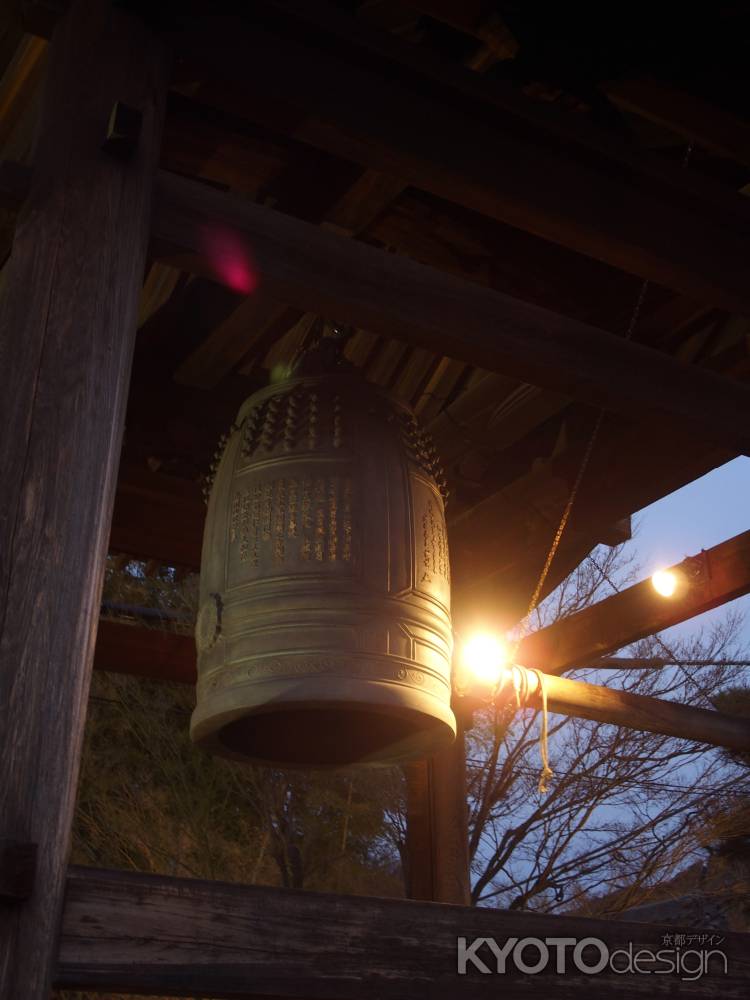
x: 625, y: 809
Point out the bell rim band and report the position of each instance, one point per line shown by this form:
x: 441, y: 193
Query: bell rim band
x: 210, y: 719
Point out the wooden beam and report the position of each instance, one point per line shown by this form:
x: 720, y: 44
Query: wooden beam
x: 636, y: 711
x: 67, y: 330
x: 153, y: 653
x: 320, y: 272
x: 127, y: 932
x: 645, y: 226
x: 691, y: 117
x: 249, y: 324
x: 438, y: 865
x: 157, y: 517
x: 707, y: 580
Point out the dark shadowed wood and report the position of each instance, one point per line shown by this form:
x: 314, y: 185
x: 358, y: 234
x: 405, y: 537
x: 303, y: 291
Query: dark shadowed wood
x: 185, y: 937
x: 320, y: 272
x: 67, y: 329
x: 250, y: 323
x: 707, y: 580
x: 695, y: 119
x: 437, y: 835
x: 231, y: 340
x: 145, y: 652
x: 496, y: 557
x: 506, y: 102
x: 157, y: 517
x: 434, y: 142
x: 17, y: 870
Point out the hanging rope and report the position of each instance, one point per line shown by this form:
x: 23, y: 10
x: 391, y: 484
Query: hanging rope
x: 546, y: 773
x: 520, y: 678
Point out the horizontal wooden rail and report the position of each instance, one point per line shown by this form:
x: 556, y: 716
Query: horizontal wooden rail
x: 153, y: 653
x: 231, y: 239
x: 707, y: 580
x: 127, y: 932
x: 639, y: 712
x: 168, y: 656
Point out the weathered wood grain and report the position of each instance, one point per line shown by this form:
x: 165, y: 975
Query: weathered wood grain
x: 67, y: 328
x: 151, y: 934
x: 707, y: 580
x: 320, y: 272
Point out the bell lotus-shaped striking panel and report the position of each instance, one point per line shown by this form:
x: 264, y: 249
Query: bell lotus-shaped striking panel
x: 323, y: 634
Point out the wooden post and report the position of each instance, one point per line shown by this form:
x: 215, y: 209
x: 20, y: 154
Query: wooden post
x: 437, y: 835
x: 67, y: 330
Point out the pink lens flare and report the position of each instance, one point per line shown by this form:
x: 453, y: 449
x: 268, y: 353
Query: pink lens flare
x: 231, y: 260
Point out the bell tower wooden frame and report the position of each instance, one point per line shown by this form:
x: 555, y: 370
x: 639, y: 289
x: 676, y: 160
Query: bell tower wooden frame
x: 67, y: 323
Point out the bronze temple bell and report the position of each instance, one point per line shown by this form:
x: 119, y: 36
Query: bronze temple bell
x: 323, y: 633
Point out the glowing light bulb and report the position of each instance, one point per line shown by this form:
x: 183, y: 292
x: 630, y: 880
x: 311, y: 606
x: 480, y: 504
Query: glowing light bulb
x: 485, y: 657
x: 664, y: 582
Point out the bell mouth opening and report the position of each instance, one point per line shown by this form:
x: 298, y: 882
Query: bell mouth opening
x: 321, y: 737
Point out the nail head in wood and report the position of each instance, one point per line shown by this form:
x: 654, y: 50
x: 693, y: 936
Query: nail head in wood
x: 123, y: 131
x: 17, y: 869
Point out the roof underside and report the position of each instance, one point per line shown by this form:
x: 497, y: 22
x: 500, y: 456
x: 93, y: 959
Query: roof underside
x: 273, y: 107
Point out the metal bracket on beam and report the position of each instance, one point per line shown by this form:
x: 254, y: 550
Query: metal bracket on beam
x: 17, y: 870
x: 697, y: 569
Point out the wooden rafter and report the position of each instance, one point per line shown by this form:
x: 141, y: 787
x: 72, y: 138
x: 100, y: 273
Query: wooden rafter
x: 688, y: 116
x: 496, y: 556
x: 655, y: 232
x: 499, y: 98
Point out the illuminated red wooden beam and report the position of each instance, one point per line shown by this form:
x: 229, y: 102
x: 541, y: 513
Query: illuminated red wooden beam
x: 145, y: 652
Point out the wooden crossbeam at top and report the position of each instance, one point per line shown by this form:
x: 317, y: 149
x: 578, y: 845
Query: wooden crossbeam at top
x: 321, y: 272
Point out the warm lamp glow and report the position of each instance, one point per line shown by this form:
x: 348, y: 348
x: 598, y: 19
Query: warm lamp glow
x: 664, y: 582
x: 485, y: 657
